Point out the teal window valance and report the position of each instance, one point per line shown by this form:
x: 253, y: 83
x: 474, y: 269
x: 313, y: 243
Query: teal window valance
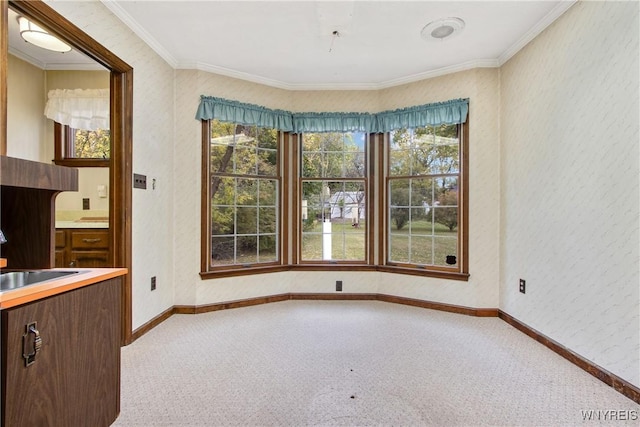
x: 449, y: 112
x: 441, y: 113
x: 333, y: 122
x: 245, y: 114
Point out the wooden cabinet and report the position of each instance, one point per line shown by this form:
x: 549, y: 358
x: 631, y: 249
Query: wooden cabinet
x: 82, y: 247
x: 74, y: 378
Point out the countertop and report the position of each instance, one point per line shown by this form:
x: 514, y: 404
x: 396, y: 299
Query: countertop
x: 30, y: 293
x: 80, y: 224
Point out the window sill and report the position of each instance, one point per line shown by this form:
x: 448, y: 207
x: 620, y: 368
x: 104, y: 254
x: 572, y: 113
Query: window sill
x: 241, y: 271
x: 83, y: 163
x: 245, y: 271
x: 450, y: 275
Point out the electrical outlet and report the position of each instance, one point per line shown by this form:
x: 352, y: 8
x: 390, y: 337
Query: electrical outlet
x: 338, y: 285
x: 86, y: 204
x: 523, y: 286
x: 153, y: 283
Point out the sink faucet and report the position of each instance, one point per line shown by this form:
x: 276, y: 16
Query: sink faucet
x: 2, y: 238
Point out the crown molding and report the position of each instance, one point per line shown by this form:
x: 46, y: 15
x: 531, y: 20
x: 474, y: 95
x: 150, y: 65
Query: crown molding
x: 548, y: 19
x: 484, y: 63
x: 70, y: 66
x: 27, y: 58
x: 469, y: 65
x: 119, y: 12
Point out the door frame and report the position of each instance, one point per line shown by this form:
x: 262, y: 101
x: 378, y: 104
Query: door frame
x: 121, y: 110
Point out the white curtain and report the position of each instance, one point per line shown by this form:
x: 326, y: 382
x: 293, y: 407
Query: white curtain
x: 86, y: 109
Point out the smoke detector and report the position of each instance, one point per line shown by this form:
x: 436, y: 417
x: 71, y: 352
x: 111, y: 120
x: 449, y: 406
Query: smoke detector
x: 442, y: 29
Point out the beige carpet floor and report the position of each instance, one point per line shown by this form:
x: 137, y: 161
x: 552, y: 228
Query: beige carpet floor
x: 354, y: 363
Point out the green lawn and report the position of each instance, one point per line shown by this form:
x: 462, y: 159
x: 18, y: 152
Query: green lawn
x: 428, y: 244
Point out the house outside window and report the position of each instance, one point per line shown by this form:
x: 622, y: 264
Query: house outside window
x: 333, y: 198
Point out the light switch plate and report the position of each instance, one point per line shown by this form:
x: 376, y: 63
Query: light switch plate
x: 139, y: 181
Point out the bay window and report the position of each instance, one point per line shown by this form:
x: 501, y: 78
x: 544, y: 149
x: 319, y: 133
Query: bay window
x: 385, y: 191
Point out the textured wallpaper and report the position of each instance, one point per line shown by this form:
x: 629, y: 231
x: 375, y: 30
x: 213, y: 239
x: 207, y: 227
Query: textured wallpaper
x: 26, y: 123
x: 570, y: 195
x: 481, y: 86
x: 153, y: 149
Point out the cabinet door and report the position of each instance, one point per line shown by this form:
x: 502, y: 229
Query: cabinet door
x: 60, y: 258
x: 89, y: 259
x: 75, y: 377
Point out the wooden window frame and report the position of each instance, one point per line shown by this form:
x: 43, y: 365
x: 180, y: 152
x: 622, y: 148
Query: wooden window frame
x: 298, y: 208
x: 63, y: 140
x: 376, y: 215
x: 229, y: 270
x: 462, y: 272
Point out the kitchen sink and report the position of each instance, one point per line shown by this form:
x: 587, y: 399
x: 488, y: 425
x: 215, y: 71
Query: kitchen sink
x: 17, y: 279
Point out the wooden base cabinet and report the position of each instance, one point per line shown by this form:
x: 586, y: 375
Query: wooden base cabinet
x: 82, y: 248
x: 74, y: 377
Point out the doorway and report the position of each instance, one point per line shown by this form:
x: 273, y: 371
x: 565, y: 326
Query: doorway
x: 121, y: 119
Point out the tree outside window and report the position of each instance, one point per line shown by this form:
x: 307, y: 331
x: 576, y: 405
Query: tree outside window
x: 244, y: 195
x: 333, y: 199
x: 424, y: 196
x: 80, y: 147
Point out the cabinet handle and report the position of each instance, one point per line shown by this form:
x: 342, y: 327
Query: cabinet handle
x: 72, y: 263
x: 91, y: 240
x: 30, y: 356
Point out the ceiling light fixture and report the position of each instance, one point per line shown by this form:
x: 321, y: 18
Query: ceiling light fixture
x: 37, y: 36
x: 442, y: 29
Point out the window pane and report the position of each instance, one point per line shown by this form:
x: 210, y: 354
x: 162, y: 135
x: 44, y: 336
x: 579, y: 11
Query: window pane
x: 399, y: 218
x: 421, y: 192
x: 245, y: 161
x: 333, y: 208
x: 437, y: 150
x: 267, y: 138
x: 222, y: 220
x: 268, y: 221
x: 267, y: 248
x: 267, y: 191
x: 421, y: 250
x: 244, y: 207
x: 419, y: 222
x: 267, y: 162
x: 223, y: 191
x: 399, y: 192
x: 354, y: 165
x: 424, y: 205
x: 400, y: 153
x: 334, y: 165
x: 312, y: 244
x: 444, y: 246
x: 222, y: 251
x: 91, y: 144
x: 247, y: 192
x: 247, y: 220
x: 247, y: 251
x: 399, y: 248
x: 221, y: 155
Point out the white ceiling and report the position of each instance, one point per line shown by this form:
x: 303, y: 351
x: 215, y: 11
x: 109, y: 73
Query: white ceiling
x: 289, y: 44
